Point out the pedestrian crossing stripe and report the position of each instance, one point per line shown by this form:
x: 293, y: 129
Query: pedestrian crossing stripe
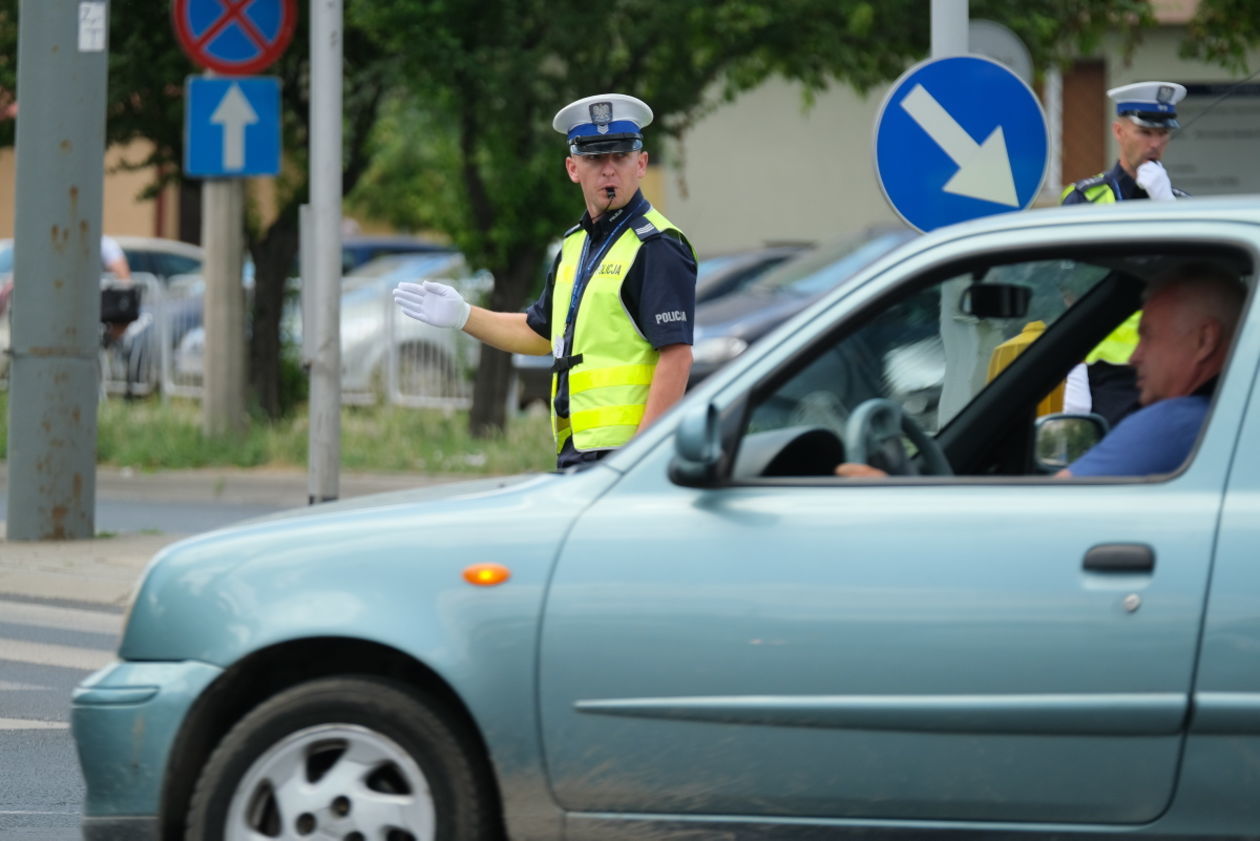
x: 31, y: 724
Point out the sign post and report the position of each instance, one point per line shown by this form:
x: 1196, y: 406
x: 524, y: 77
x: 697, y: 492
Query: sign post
x: 231, y: 130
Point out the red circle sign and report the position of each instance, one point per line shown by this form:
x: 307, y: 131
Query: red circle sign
x: 234, y: 37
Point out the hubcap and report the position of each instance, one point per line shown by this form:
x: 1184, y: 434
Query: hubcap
x: 333, y: 781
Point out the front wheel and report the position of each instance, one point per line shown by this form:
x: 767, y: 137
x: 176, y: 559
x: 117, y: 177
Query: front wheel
x: 349, y: 758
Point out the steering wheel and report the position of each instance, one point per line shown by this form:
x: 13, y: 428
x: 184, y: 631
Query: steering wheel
x: 872, y: 435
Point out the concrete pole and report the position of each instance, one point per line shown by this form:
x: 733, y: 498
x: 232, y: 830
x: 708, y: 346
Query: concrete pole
x: 959, y: 333
x: 56, y: 332
x: 1053, y: 99
x: 222, y: 233
x: 324, y: 456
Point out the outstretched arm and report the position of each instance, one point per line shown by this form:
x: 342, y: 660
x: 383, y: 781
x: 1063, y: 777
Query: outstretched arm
x: 505, y: 330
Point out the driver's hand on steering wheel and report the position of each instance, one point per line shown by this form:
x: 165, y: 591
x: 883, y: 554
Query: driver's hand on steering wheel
x: 854, y: 470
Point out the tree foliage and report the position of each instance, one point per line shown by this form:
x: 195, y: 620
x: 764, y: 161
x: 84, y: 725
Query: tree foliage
x: 470, y: 148
x: 1223, y: 31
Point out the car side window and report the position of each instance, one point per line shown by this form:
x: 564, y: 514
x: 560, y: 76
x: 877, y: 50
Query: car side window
x: 173, y: 264
x: 929, y: 350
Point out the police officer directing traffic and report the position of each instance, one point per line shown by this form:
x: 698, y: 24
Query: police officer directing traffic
x: 1146, y: 114
x: 617, y: 310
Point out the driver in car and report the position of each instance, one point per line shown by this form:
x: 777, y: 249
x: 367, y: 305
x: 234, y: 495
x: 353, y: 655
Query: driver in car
x: 1188, y: 322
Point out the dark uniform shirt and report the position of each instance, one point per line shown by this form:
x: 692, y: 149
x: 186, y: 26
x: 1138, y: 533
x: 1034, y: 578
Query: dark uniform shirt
x: 661, y: 282
x: 1121, y: 183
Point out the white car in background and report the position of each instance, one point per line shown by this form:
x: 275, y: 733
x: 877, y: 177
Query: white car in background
x: 432, y: 362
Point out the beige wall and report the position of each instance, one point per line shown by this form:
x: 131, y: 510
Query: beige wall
x: 765, y: 169
x: 122, y: 212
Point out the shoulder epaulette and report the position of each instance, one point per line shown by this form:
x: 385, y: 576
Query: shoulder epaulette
x: 1092, y: 181
x: 572, y: 230
x: 645, y: 229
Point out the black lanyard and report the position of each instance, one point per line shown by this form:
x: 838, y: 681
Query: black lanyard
x: 585, y: 269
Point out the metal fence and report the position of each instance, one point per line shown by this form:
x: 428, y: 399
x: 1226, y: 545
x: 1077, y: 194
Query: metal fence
x: 386, y: 357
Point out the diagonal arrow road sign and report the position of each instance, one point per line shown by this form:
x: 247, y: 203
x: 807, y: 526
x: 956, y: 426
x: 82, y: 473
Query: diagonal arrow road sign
x: 984, y: 169
x: 959, y: 138
x: 234, y: 113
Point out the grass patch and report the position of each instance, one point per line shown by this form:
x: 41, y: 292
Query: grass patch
x: 148, y: 435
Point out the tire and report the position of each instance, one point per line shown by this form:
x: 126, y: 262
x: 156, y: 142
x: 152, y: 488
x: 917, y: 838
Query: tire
x: 350, y: 758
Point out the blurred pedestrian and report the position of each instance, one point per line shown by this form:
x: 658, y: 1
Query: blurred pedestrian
x: 617, y: 309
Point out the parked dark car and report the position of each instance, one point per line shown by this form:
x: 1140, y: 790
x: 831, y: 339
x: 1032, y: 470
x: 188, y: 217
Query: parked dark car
x: 727, y: 325
x: 728, y: 273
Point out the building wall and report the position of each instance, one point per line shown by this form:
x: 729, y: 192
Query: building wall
x: 766, y: 169
x: 123, y: 211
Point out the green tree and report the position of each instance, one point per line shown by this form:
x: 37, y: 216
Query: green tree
x: 147, y: 69
x: 1223, y: 31
x: 471, y: 150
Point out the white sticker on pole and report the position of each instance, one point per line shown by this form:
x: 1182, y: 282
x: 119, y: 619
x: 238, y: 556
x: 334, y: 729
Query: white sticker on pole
x: 92, y: 26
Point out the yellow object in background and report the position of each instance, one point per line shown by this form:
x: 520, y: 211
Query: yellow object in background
x: 1005, y: 353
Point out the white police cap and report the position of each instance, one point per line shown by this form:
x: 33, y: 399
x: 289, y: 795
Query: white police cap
x: 1152, y: 104
x: 606, y: 122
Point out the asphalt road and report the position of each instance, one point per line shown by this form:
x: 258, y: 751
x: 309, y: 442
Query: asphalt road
x: 46, y: 648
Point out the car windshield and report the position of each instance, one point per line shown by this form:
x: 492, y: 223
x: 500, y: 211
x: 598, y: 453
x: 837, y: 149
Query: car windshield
x: 709, y: 265
x: 827, y: 266
x: 399, y: 267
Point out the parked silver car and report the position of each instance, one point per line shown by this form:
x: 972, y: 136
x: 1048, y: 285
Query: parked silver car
x: 427, y: 365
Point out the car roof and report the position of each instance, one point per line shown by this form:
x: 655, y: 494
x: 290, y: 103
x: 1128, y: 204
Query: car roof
x: 168, y: 246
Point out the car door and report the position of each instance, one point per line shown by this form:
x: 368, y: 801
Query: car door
x: 944, y: 648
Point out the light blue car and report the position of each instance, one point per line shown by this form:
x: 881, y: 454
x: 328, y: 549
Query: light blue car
x: 708, y: 635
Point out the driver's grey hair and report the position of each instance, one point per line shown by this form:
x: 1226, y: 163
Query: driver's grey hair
x: 1211, y: 289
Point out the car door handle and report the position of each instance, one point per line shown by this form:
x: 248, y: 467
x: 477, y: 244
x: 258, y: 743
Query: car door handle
x: 1120, y: 557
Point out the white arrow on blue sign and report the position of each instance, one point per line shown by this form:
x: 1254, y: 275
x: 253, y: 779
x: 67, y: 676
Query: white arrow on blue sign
x: 231, y: 126
x: 958, y: 138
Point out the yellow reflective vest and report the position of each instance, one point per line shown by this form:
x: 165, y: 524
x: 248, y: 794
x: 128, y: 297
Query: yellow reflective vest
x: 1097, y: 190
x: 608, y: 387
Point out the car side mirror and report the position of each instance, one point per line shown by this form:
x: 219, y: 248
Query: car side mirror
x: 1061, y: 439
x: 698, y: 448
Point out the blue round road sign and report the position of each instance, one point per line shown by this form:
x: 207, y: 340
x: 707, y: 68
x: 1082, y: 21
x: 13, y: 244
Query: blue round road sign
x: 234, y: 37
x: 959, y: 138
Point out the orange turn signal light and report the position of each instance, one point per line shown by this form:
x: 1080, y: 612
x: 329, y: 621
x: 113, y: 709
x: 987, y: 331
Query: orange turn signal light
x: 486, y: 575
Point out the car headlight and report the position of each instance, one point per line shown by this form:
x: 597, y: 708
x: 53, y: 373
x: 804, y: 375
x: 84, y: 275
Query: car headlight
x: 718, y: 350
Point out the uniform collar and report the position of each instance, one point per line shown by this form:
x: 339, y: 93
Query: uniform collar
x: 599, y: 229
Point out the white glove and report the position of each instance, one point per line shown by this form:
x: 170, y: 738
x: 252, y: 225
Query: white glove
x: 433, y: 303
x: 1153, y: 178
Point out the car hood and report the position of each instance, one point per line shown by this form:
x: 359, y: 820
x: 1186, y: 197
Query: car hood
x: 335, y: 570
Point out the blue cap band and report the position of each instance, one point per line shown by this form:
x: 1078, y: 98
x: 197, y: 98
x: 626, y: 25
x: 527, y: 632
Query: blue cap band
x: 1150, y: 107
x: 615, y: 127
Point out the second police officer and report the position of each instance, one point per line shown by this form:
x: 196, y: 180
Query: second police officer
x: 617, y: 309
